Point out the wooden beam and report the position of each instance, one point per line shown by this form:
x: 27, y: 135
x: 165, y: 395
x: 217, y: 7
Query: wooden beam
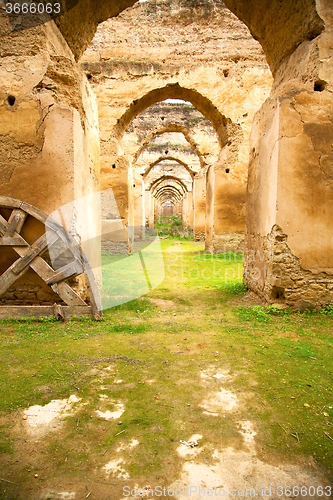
x: 35, y: 249
x: 43, y: 311
x: 72, y: 269
x: 16, y: 221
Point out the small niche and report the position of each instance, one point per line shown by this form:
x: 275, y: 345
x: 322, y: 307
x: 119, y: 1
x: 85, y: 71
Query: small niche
x: 226, y: 73
x: 319, y: 86
x: 162, y: 118
x: 89, y: 77
x: 114, y: 165
x: 277, y: 293
x: 227, y: 170
x: 166, y: 152
x: 134, y: 185
x: 11, y: 100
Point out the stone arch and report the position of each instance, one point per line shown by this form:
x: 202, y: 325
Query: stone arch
x: 175, y: 91
x: 167, y: 191
x: 162, y: 179
x: 171, y: 158
x: 171, y: 128
x: 280, y: 27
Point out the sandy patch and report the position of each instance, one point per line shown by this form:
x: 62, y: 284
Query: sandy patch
x: 150, y: 382
x: 112, y: 415
x: 163, y: 304
x: 40, y: 420
x: 219, y: 401
x: 248, y: 434
x: 238, y: 471
x: 54, y: 495
x: 210, y: 373
x: 132, y: 444
x: 114, y: 467
x: 186, y: 451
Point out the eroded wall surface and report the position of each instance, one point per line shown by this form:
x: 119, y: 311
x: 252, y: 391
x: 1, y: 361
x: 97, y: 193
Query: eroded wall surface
x: 290, y: 190
x: 49, y: 139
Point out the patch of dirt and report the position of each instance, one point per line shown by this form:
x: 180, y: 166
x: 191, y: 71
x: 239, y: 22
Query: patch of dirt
x: 237, y: 471
x: 115, y: 469
x: 40, y: 420
x: 219, y: 401
x: 162, y: 303
x: 112, y: 415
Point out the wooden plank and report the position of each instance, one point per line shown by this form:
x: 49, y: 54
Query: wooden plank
x: 43, y: 311
x: 68, y: 295
x: 5, y: 201
x: 71, y: 270
x: 3, y: 225
x: 93, y: 290
x: 58, y: 312
x: 12, y: 241
x: 16, y: 221
x: 35, y: 249
x: 65, y: 292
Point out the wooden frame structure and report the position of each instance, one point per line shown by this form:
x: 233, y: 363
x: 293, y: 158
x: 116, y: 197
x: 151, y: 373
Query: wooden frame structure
x: 30, y: 256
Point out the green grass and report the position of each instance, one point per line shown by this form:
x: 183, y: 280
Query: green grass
x: 281, y: 362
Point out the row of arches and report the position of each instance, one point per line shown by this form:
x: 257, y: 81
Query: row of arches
x: 64, y: 135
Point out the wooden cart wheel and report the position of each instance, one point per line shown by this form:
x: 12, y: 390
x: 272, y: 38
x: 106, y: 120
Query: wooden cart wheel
x: 15, y: 220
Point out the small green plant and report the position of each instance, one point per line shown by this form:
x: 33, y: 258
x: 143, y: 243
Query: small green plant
x: 235, y: 288
x: 327, y: 311
x: 258, y: 313
x: 278, y: 311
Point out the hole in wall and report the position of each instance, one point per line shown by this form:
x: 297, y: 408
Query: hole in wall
x: 134, y: 185
x: 114, y: 165
x: 277, y: 293
x: 89, y: 77
x: 162, y: 118
x: 227, y: 170
x: 166, y: 152
x: 11, y: 100
x: 319, y: 86
x: 226, y: 73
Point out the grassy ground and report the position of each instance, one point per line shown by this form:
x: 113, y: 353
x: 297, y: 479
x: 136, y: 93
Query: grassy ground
x: 201, y: 317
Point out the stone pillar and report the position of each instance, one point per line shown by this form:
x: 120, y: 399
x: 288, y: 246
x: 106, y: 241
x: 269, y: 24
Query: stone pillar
x: 199, y: 205
x: 289, y: 242
x: 138, y: 190
x: 150, y: 208
x: 190, y: 209
x: 184, y: 210
x: 225, y: 210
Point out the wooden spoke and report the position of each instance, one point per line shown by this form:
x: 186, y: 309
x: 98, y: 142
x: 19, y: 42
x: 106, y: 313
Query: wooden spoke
x: 31, y: 257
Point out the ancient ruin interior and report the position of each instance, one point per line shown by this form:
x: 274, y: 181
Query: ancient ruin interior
x: 114, y: 114
x: 219, y: 112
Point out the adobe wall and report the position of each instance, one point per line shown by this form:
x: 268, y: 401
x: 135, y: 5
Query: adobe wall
x: 49, y: 139
x: 289, y: 251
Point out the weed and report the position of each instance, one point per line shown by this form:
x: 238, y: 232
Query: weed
x: 253, y: 313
